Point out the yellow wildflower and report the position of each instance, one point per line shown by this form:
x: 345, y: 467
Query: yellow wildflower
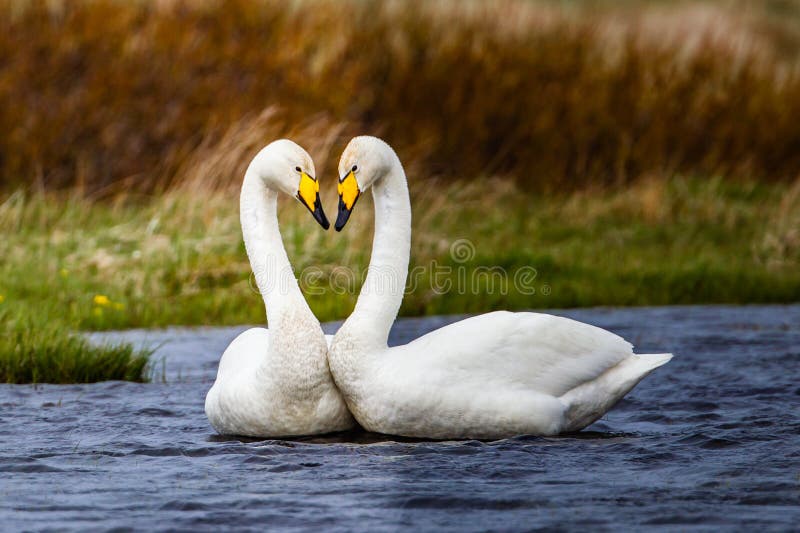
x: 100, y: 299
x: 2, y: 298
x: 64, y: 272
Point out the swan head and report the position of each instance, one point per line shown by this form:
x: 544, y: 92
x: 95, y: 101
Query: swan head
x: 285, y: 167
x: 364, y: 161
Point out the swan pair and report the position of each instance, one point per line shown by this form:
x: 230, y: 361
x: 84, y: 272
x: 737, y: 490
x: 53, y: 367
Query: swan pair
x: 490, y: 376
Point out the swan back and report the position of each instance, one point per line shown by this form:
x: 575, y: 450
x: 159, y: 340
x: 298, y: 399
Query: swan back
x: 546, y: 353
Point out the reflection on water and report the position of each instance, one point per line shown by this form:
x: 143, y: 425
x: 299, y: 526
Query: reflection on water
x: 711, y: 439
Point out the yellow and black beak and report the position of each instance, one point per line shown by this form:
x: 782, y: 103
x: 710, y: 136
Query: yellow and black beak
x: 348, y: 196
x: 308, y: 194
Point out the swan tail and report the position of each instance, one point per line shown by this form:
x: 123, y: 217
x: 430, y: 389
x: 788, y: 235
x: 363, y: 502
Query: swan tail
x: 653, y: 360
x: 589, y: 401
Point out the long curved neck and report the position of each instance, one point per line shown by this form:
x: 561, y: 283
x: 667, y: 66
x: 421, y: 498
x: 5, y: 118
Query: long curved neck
x: 262, y: 239
x: 382, y: 292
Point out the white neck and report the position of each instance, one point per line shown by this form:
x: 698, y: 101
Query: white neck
x: 274, y: 275
x: 382, y: 292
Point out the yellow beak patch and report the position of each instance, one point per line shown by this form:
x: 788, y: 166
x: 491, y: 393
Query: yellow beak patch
x: 309, y: 187
x: 348, y: 190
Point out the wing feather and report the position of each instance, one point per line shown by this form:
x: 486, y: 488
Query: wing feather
x: 546, y: 353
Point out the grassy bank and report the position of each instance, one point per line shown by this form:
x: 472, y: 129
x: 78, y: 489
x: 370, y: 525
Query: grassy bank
x: 179, y: 258
x: 35, y: 349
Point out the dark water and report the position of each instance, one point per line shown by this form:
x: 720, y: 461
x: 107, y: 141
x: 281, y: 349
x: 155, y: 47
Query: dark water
x: 710, y: 441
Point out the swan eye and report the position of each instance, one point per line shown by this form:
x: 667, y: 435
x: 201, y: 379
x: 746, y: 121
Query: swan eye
x: 298, y: 169
x: 354, y: 169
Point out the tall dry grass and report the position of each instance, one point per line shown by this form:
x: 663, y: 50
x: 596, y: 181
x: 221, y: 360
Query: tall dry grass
x: 123, y: 96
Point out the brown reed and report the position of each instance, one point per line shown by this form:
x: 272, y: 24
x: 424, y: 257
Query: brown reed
x: 117, y: 96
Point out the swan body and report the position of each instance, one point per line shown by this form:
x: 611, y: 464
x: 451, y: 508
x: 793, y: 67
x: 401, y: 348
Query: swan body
x: 490, y: 376
x: 276, y: 382
x: 493, y: 376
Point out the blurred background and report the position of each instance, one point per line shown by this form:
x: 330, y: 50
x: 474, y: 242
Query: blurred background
x: 631, y: 152
x: 114, y: 96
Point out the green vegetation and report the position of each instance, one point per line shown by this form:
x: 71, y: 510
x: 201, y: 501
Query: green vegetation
x: 71, y: 263
x: 178, y: 258
x: 555, y: 136
x: 35, y: 351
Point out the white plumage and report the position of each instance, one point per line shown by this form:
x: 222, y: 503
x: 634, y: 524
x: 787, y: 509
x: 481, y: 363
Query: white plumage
x: 275, y: 383
x: 490, y: 376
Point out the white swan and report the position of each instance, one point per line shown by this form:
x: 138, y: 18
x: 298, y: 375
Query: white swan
x: 277, y: 383
x: 490, y: 376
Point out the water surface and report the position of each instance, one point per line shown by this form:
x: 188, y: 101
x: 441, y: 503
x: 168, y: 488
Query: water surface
x: 710, y: 440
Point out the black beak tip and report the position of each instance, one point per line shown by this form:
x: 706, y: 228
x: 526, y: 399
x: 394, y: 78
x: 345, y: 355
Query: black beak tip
x: 319, y: 216
x: 317, y: 213
x: 344, y: 216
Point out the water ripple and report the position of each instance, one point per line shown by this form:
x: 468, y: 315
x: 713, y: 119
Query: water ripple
x: 710, y: 441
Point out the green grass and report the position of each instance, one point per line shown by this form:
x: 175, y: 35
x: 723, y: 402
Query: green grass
x: 679, y: 242
x: 178, y: 259
x: 35, y: 352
